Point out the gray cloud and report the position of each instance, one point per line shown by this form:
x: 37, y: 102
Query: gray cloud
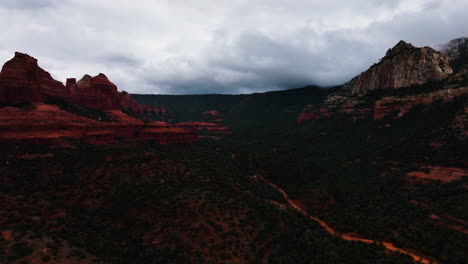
x: 27, y: 4
x: 220, y: 46
x: 120, y: 60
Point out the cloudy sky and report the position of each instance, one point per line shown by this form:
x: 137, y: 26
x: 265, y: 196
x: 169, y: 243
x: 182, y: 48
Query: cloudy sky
x: 221, y: 46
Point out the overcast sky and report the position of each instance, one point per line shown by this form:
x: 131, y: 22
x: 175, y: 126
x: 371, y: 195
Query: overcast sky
x: 221, y: 46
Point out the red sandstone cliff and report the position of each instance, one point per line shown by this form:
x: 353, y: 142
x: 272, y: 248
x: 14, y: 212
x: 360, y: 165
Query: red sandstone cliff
x: 23, y: 81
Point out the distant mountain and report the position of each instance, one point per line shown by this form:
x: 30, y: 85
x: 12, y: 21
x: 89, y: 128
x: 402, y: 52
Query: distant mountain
x: 238, y: 110
x: 457, y: 49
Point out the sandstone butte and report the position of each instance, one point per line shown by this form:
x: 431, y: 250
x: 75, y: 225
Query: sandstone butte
x: 403, y: 66
x: 23, y: 82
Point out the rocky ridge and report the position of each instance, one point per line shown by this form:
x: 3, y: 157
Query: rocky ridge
x: 38, y: 109
x: 409, y: 70
x: 403, y: 66
x: 23, y: 81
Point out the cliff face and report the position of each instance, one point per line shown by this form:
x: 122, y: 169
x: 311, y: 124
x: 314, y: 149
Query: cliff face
x: 403, y: 66
x: 23, y: 81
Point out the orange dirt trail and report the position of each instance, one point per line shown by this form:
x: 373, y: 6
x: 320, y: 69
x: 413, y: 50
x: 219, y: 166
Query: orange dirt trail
x: 387, y: 245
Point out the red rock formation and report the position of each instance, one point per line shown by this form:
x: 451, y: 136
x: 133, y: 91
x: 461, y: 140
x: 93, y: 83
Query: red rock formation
x: 44, y: 123
x: 85, y: 82
x: 210, y: 129
x: 388, y: 106
x: 127, y: 103
x: 445, y: 174
x: 105, y: 89
x: 336, y: 103
x: 314, y: 113
x: 213, y: 116
x: 23, y: 81
x: 403, y: 66
x: 71, y: 85
x: 399, y: 106
x: 93, y: 92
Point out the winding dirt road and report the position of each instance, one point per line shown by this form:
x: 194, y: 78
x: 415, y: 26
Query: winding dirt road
x: 387, y: 245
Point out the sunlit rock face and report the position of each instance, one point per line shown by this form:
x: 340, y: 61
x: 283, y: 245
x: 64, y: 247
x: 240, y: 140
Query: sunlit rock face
x: 403, y: 66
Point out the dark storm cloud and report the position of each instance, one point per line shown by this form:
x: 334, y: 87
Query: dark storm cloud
x: 218, y: 46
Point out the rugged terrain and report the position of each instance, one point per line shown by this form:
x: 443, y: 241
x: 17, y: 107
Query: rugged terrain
x: 382, y: 157
x: 373, y: 171
x: 35, y: 108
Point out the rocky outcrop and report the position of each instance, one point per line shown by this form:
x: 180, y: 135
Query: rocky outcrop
x: 41, y: 120
x: 312, y: 112
x: 445, y: 174
x: 213, y: 130
x: 45, y: 123
x: 23, y: 81
x: 85, y: 82
x: 403, y: 66
x: 337, y: 103
x: 355, y: 107
x: 399, y: 106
